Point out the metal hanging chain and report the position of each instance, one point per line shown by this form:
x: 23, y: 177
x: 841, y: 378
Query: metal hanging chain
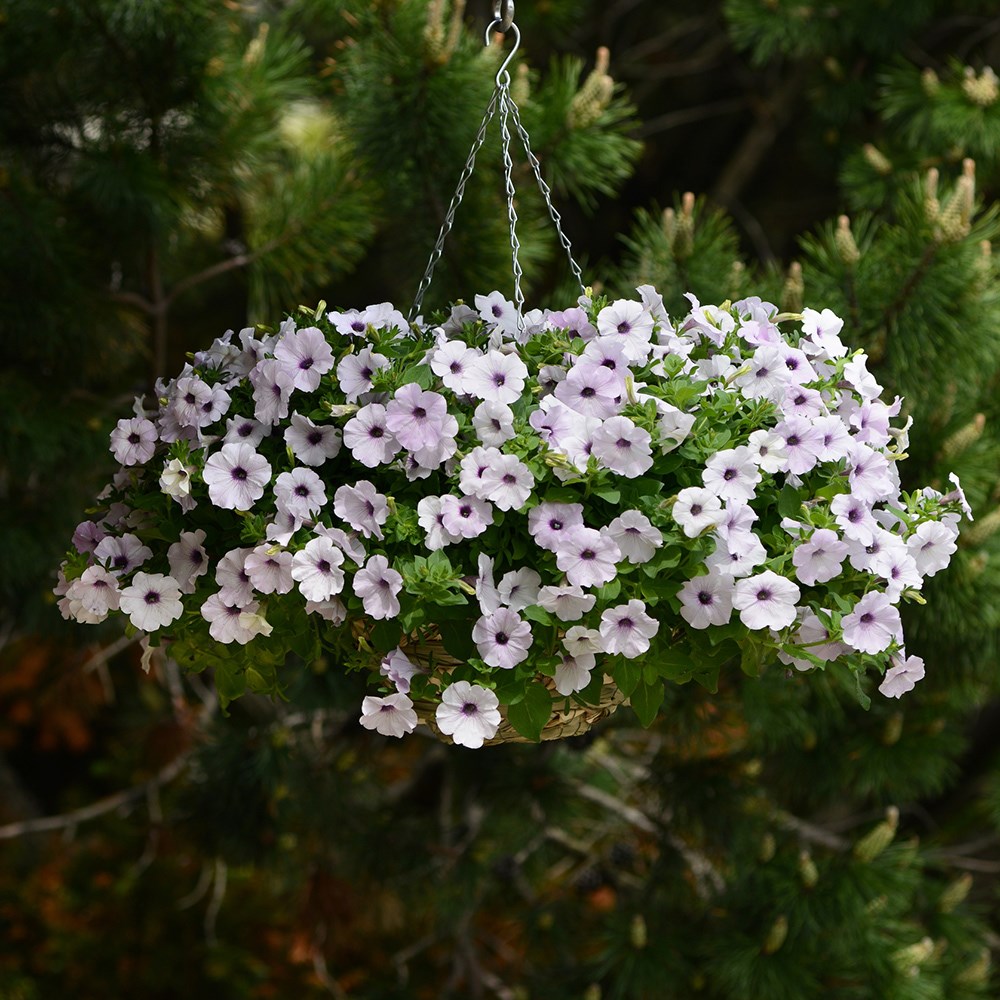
x: 456, y: 200
x: 504, y: 102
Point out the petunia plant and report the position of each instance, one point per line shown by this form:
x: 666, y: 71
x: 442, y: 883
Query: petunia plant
x: 499, y: 517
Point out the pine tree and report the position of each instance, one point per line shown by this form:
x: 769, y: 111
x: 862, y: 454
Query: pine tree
x: 172, y: 169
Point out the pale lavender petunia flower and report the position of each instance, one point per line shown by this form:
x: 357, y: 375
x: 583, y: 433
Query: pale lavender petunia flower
x: 821, y: 333
x: 857, y: 374
x: 232, y: 577
x: 629, y: 324
x: 580, y: 640
x: 518, y: 588
x: 270, y: 569
x: 354, y: 373
x: 368, y: 437
x: 832, y: 439
x: 627, y: 629
x: 768, y: 450
x: 362, y: 507
x: 331, y: 610
x: 377, y: 585
x: 496, y: 377
x: 873, y: 624
x: 416, y: 417
x: 347, y: 542
x: 802, y: 444
x: 96, y: 592
x: 767, y: 375
x: 732, y: 475
x: 272, y: 388
x: 499, y: 312
x: 244, y: 430
x: 868, y: 473
x: 619, y: 445
x: 573, y: 672
x: 673, y: 426
x: 392, y: 715
x: 574, y: 321
x: 548, y: 523
x: 766, y: 600
x: 451, y: 361
x: 472, y: 467
x: 316, y: 569
x: 502, y: 638
x: 133, y: 441
x: 707, y: 600
x: 854, y: 517
x: 958, y: 495
x: 466, y: 516
x: 122, y: 555
x: 468, y: 713
x: 636, y: 536
x: 236, y: 476
x: 399, y: 669
x: 696, y: 510
x: 229, y: 621
x: 282, y: 527
x: 486, y: 589
x: 493, y: 423
x: 306, y: 356
x: 932, y: 545
x: 801, y: 401
x: 190, y: 398
x: 188, y: 559
x: 431, y: 519
x: 87, y: 536
x: 587, y: 557
x: 151, y: 601
x: 737, y: 555
x: 819, y: 559
x: 591, y: 390
x: 312, y: 444
x: 299, y: 493
x: 507, y: 482
x: 568, y: 603
x: 902, y: 676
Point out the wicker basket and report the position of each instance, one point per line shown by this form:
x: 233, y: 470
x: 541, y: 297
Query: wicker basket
x: 572, y: 719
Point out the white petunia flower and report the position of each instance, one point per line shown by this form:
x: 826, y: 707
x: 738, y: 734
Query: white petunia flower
x: 469, y: 714
x: 151, y: 601
x: 392, y: 715
x: 627, y: 629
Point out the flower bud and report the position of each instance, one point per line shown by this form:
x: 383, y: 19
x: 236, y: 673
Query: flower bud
x: 982, y: 531
x: 520, y: 89
x: 930, y: 82
x: 844, y: 241
x: 932, y: 207
x: 955, y: 893
x: 877, y: 160
x: 976, y: 974
x: 963, y: 438
x: 982, y: 90
x: 775, y: 936
x: 793, y: 290
x: 893, y: 729
x: 684, y: 237
x: 869, y: 847
x: 910, y: 958
x: 767, y: 848
x: 637, y: 933
x: 594, y: 96
x: 808, y: 871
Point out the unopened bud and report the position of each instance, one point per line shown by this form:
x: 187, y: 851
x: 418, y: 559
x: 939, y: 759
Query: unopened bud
x: 982, y: 90
x: 869, y: 847
x: 892, y: 730
x: 930, y: 82
x: 844, y: 240
x: 932, y: 207
x: 637, y: 933
x: 455, y: 28
x: 794, y: 289
x: 592, y: 992
x: 768, y: 845
x: 255, y: 50
x: 684, y: 236
x: 520, y: 89
x: 737, y: 275
x: 434, y: 30
x: 877, y: 160
x: 964, y: 437
x: 808, y: 871
x: 910, y: 958
x: 955, y: 219
x: 955, y: 893
x: 833, y: 68
x: 775, y: 936
x: 978, y: 534
x: 976, y: 974
x: 594, y: 96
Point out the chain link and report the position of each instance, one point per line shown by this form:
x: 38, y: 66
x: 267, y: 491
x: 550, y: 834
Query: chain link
x: 504, y: 102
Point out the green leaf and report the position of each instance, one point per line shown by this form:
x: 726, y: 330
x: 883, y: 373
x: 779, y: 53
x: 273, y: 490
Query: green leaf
x: 456, y: 636
x: 230, y: 682
x: 421, y: 374
x: 385, y: 635
x: 646, y: 701
x: 627, y: 675
x: 612, y: 496
x: 753, y: 657
x: 529, y: 715
x: 790, y: 501
x: 536, y: 614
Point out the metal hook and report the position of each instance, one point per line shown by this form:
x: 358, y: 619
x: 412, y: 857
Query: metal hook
x: 503, y: 11
x: 510, y: 55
